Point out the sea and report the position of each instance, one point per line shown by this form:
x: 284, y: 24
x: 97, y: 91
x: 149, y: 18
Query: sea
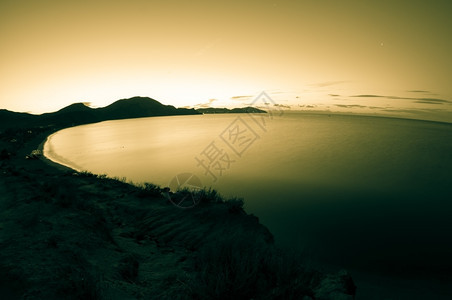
x: 369, y: 194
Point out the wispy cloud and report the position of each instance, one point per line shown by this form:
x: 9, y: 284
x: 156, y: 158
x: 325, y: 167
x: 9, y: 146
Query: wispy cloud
x: 422, y: 100
x: 352, y: 106
x: 431, y: 101
x: 282, y: 105
x: 410, y: 111
x: 417, y: 100
x: 419, y: 91
x: 327, y: 83
x: 368, y: 96
x: 334, y: 95
x: 241, y: 98
x: 205, y: 105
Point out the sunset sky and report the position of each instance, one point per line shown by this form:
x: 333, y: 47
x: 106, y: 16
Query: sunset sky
x: 356, y: 56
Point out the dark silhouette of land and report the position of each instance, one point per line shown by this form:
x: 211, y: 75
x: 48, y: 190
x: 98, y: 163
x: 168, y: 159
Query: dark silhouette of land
x: 79, y: 113
x: 72, y: 235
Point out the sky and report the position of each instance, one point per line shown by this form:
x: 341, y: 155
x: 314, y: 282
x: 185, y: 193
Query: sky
x: 374, y: 57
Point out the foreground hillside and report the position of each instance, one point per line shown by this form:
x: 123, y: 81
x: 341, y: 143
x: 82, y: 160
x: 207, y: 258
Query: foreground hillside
x: 68, y: 235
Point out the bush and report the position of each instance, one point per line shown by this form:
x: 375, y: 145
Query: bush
x: 149, y: 190
x: 229, y: 269
x: 239, y: 267
x: 235, y: 205
x: 208, y: 196
x: 86, y: 174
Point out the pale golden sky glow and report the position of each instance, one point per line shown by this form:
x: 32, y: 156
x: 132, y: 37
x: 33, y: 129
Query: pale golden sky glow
x: 54, y: 53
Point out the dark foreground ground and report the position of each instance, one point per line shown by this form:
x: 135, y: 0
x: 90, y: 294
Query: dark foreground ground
x: 69, y: 235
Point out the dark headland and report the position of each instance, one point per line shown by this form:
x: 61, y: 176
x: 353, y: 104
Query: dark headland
x: 71, y: 235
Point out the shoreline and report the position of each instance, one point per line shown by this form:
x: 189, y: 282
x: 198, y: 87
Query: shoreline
x: 50, y: 162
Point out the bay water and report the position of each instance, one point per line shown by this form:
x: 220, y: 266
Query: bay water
x: 370, y: 194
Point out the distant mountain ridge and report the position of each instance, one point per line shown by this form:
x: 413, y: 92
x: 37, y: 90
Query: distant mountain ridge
x: 213, y: 110
x: 79, y: 113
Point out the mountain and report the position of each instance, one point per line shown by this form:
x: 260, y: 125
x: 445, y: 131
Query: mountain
x: 138, y: 107
x: 10, y: 118
x: 79, y: 113
x: 213, y: 110
x: 76, y: 107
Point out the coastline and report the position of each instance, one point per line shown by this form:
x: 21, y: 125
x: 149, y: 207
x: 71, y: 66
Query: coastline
x: 69, y: 233
x: 50, y: 162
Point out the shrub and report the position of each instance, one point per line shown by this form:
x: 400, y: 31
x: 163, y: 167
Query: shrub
x: 149, y: 190
x: 239, y: 267
x: 235, y: 205
x: 229, y: 269
x: 208, y: 196
x: 86, y: 174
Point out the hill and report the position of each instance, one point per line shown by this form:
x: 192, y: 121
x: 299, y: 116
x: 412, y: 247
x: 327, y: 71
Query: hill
x: 10, y: 119
x: 79, y: 113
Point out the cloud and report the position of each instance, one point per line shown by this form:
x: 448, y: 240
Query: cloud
x: 429, y: 102
x: 417, y: 100
x: 411, y: 111
x: 419, y: 91
x: 241, y: 98
x: 433, y: 100
x: 281, y: 105
x: 368, y: 96
x: 206, y: 105
x: 327, y: 83
x: 334, y: 95
x: 422, y: 100
x: 352, y: 106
